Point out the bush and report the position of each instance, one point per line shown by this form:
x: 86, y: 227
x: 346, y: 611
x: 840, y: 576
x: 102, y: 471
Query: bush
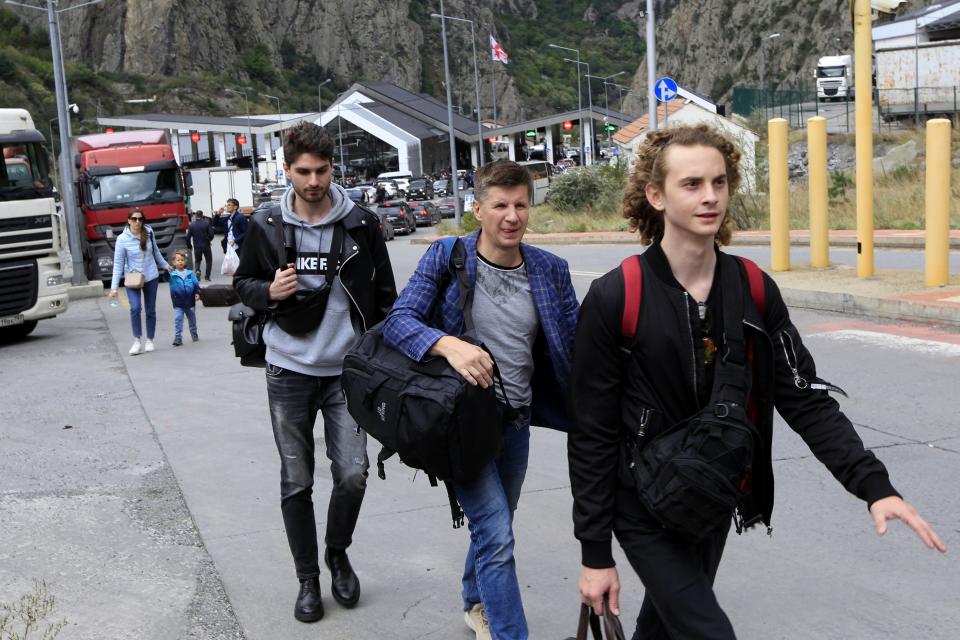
x: 593, y: 189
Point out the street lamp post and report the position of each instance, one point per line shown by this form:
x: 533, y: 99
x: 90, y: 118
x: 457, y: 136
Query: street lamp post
x: 458, y: 208
x: 579, y: 96
x: 589, y: 104
x: 269, y: 139
x: 763, y: 64
x: 67, y: 199
x: 651, y: 66
x: 476, y: 80
x: 246, y: 102
x: 320, y: 96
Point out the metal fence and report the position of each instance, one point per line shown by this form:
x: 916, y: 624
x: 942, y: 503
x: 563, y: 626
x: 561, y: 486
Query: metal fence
x: 793, y: 105
x: 919, y: 104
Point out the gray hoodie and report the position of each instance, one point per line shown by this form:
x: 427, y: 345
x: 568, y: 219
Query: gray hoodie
x: 319, y: 352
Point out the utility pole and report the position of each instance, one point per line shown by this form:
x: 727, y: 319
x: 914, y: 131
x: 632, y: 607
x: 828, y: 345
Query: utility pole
x: 68, y: 198
x: 651, y: 67
x: 458, y: 210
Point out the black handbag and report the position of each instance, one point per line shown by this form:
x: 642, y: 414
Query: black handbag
x: 303, y: 311
x: 612, y: 629
x: 248, y: 323
x: 693, y: 476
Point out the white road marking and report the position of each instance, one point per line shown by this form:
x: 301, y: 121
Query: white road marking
x: 892, y: 341
x: 586, y: 274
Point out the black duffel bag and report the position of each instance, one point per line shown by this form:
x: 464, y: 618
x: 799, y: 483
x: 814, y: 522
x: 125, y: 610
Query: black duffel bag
x: 693, y: 476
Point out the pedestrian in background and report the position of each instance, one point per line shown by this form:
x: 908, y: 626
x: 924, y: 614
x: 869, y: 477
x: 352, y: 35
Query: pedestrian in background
x: 184, y: 293
x: 137, y: 258
x: 685, y: 368
x: 236, y: 225
x: 199, y: 237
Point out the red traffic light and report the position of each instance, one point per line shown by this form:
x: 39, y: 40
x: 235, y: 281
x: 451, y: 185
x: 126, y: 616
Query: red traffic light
x: 108, y: 130
x: 195, y: 137
x: 491, y: 140
x: 567, y: 125
x: 242, y: 139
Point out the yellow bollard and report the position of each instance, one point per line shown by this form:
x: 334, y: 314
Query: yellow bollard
x: 863, y: 80
x: 937, y: 249
x: 817, y: 185
x: 779, y: 196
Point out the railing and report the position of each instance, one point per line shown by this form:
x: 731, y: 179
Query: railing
x: 919, y: 103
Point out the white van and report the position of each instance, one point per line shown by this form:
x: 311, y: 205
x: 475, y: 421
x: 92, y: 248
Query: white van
x: 402, y: 178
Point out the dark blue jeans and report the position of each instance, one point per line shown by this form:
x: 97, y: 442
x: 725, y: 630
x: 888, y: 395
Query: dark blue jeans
x: 490, y: 571
x: 149, y: 291
x: 294, y: 400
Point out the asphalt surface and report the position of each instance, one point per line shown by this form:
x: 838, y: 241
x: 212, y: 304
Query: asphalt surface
x: 162, y: 500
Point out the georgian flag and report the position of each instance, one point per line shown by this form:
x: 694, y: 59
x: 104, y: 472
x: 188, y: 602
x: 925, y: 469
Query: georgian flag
x: 497, y: 51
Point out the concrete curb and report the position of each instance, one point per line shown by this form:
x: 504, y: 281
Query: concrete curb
x: 93, y: 289
x: 886, y: 308
x: 880, y: 242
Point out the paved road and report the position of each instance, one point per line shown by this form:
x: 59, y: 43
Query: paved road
x: 94, y: 509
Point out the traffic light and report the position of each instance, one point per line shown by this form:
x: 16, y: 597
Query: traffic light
x: 567, y: 125
x: 241, y: 139
x: 610, y: 127
x: 108, y: 130
x: 491, y: 140
x: 531, y: 134
x: 194, y: 137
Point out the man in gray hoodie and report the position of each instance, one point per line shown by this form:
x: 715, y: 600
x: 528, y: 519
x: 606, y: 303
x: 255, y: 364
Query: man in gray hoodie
x: 318, y: 266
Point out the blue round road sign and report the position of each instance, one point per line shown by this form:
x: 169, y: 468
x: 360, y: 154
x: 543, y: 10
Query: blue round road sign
x: 665, y: 89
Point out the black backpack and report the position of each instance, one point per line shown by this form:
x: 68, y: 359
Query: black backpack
x: 425, y: 411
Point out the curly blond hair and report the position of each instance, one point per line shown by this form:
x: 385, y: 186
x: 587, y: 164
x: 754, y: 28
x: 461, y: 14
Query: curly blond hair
x: 650, y: 168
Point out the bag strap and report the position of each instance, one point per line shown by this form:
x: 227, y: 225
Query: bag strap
x: 755, y: 277
x: 276, y: 217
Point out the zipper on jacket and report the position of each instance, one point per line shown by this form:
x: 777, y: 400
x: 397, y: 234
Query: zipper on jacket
x: 798, y: 380
x: 693, y: 348
x: 349, y: 295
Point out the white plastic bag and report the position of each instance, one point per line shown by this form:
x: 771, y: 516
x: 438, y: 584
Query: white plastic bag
x: 230, y: 261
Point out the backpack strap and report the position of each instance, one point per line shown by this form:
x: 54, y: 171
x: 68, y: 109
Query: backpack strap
x: 632, y: 295
x: 755, y: 278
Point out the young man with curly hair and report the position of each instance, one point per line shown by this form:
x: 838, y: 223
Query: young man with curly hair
x: 624, y: 397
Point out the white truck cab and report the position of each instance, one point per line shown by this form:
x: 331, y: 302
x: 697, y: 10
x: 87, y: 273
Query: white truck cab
x: 835, y: 78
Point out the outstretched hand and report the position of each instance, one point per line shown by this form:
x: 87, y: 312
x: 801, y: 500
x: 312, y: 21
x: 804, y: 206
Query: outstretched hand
x: 894, y: 508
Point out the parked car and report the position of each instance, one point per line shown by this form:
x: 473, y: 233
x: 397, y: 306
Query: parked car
x: 390, y: 187
x: 357, y: 195
x: 386, y: 226
x: 426, y: 213
x: 400, y: 214
x: 368, y: 190
x: 420, y: 189
x: 277, y: 194
x: 447, y: 207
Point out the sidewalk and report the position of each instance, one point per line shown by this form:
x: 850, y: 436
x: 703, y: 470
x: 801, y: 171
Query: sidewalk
x: 890, y: 294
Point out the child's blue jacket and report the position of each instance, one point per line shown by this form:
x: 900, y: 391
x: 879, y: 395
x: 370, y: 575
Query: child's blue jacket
x: 183, y: 290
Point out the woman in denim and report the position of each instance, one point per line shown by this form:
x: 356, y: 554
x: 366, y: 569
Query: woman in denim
x: 136, y: 251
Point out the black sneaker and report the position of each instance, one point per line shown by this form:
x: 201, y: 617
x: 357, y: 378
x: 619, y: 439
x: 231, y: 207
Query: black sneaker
x: 344, y: 583
x: 194, y: 336
x: 177, y: 341
x: 309, y: 607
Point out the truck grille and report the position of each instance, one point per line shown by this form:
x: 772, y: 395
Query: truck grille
x: 18, y: 286
x: 164, y: 230
x: 26, y: 236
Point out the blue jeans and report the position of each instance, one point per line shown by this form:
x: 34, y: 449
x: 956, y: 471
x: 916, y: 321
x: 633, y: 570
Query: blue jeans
x: 178, y: 314
x: 150, y: 302
x: 294, y: 400
x: 490, y: 571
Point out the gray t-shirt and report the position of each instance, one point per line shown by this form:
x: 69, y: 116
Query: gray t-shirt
x: 506, y: 320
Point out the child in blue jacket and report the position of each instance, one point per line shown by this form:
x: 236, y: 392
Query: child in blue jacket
x: 184, y: 291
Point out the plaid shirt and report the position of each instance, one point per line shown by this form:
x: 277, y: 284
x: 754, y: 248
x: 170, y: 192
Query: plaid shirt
x: 416, y: 321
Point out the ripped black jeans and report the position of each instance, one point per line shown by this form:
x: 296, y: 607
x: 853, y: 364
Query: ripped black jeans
x: 295, y: 399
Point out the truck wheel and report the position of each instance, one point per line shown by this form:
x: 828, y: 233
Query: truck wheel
x: 18, y: 332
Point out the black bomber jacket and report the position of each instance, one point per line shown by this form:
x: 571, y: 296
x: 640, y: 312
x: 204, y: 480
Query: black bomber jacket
x: 613, y: 392
x: 365, y: 269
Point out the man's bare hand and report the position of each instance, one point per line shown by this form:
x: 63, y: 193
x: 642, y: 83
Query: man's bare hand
x: 284, y: 283
x: 470, y: 361
x: 894, y: 508
x: 597, y: 583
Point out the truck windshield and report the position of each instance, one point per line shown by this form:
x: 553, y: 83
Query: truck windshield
x: 831, y: 72
x: 132, y: 188
x: 24, y: 173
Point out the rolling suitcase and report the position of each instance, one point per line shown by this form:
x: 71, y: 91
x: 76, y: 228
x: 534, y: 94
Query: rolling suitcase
x: 219, y: 295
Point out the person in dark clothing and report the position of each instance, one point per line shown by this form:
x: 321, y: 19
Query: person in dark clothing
x: 333, y: 248
x: 381, y: 196
x: 199, y: 237
x: 236, y: 225
x: 677, y: 198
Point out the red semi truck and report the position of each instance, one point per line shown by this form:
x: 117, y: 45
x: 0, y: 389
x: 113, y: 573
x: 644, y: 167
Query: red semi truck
x: 118, y: 172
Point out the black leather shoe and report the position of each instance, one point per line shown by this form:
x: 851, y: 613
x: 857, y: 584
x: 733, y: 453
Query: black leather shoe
x: 309, y: 607
x: 344, y: 583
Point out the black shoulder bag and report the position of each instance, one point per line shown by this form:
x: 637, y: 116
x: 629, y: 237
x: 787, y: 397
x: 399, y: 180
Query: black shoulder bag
x: 247, y: 322
x: 692, y: 476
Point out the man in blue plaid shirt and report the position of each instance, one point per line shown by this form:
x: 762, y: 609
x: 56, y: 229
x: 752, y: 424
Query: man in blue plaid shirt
x: 525, y: 312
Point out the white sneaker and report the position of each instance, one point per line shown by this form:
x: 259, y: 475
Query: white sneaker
x: 476, y: 619
x: 148, y: 346
x: 137, y: 348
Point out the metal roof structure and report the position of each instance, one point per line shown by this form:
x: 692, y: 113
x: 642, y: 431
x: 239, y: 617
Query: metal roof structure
x: 233, y: 124
x: 600, y: 114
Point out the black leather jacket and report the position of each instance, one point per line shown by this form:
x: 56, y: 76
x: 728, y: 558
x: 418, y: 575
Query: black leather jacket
x: 612, y: 393
x: 365, y: 270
